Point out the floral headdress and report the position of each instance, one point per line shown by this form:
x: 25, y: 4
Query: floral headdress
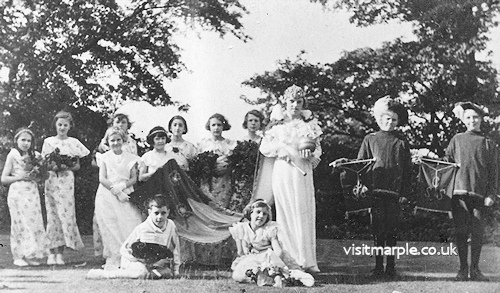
x: 462, y: 106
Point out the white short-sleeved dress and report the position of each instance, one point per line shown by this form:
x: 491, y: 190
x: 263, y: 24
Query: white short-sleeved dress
x: 116, y: 219
x: 258, y: 245
x: 182, y: 153
x: 62, y: 229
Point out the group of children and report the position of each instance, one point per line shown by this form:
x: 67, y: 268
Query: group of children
x: 137, y: 249
x: 476, y: 182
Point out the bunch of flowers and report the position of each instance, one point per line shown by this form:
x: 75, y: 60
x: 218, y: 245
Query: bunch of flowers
x: 55, y: 160
x: 242, y: 160
x: 202, y: 167
x: 272, y: 276
x: 35, y: 166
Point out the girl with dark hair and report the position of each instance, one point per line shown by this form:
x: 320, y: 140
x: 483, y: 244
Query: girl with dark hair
x: 181, y: 149
x: 253, y: 123
x: 158, y: 156
x: 220, y: 189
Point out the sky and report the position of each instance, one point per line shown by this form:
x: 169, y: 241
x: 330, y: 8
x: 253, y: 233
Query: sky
x: 279, y: 29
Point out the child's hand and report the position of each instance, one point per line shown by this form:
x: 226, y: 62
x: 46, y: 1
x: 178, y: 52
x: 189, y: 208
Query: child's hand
x: 116, y: 188
x: 161, y: 263
x: 306, y: 153
x: 337, y: 162
x: 488, y: 202
x: 284, y: 155
x: 122, y: 196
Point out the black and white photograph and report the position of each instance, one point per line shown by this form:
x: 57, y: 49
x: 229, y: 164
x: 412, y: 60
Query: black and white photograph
x: 250, y: 146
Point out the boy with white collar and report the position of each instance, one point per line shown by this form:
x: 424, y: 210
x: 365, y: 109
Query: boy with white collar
x: 156, y: 232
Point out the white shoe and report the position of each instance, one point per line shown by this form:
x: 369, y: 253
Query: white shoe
x: 51, y: 260
x: 59, y: 260
x: 305, y: 278
x: 20, y: 263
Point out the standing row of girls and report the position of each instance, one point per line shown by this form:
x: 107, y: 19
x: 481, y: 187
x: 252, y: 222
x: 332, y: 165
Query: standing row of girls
x: 29, y: 239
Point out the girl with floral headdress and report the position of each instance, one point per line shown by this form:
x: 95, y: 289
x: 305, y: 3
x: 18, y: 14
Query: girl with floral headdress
x: 293, y: 139
x: 28, y: 239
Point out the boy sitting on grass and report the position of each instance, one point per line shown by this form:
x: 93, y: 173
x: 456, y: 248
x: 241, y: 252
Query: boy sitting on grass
x: 147, y: 252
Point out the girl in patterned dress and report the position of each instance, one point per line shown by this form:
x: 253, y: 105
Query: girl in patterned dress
x: 220, y: 191
x: 28, y: 239
x: 259, y: 246
x: 62, y: 229
x: 115, y: 215
x: 181, y: 149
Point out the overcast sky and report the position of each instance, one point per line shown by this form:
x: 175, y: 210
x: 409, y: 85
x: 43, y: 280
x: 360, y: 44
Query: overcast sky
x: 279, y: 29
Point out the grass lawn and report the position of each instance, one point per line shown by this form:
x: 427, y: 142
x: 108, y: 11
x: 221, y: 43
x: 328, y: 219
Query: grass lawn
x: 339, y: 273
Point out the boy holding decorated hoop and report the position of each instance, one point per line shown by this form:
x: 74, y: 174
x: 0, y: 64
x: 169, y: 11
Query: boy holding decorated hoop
x: 475, y: 186
x: 390, y: 173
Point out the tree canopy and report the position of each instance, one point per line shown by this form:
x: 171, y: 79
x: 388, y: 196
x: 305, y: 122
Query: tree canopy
x: 428, y: 75
x: 95, y: 54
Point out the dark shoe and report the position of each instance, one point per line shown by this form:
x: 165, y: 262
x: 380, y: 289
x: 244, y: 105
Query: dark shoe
x: 463, y: 275
x: 377, y: 272
x: 476, y: 275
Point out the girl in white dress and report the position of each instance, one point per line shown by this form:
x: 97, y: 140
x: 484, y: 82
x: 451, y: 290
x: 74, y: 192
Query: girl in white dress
x: 115, y: 215
x: 62, y: 229
x: 122, y: 121
x: 158, y: 156
x: 259, y: 246
x: 293, y: 190
x: 28, y: 239
x: 181, y: 149
x: 253, y: 123
x: 220, y: 191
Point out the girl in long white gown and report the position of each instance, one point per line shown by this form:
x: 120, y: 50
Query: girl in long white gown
x: 115, y: 215
x: 293, y: 191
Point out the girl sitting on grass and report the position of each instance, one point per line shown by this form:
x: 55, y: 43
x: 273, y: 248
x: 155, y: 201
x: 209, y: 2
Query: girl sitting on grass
x: 260, y: 255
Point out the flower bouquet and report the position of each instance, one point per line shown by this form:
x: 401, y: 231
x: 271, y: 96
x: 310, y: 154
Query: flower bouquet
x: 242, y: 160
x: 203, y: 166
x: 56, y: 161
x: 35, y: 167
x: 273, y: 276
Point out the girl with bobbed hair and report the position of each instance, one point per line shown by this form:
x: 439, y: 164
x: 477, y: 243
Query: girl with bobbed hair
x: 254, y: 122
x: 157, y: 157
x: 181, y: 149
x: 221, y: 189
x: 62, y: 229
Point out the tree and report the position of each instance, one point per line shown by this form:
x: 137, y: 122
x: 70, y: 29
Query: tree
x: 95, y: 54
x: 429, y: 75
